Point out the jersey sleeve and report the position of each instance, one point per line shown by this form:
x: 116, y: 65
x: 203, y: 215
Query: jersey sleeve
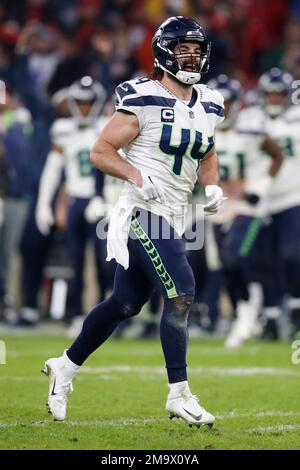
x: 129, y: 100
x: 251, y: 124
x: 218, y: 105
x: 251, y: 121
x: 292, y: 115
x: 213, y: 104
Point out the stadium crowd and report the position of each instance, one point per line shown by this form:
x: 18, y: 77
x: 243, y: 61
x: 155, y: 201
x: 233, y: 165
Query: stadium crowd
x: 47, y: 45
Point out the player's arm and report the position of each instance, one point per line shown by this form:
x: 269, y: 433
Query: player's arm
x: 49, y: 183
x: 208, y: 177
x: 209, y: 169
x: 273, y: 150
x: 119, y: 132
x: 258, y: 189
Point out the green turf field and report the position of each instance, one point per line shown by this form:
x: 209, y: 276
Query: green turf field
x: 119, y: 397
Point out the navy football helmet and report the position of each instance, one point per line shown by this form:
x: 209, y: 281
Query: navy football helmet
x: 231, y: 90
x: 173, y: 32
x: 228, y: 87
x: 89, y: 91
x: 279, y: 82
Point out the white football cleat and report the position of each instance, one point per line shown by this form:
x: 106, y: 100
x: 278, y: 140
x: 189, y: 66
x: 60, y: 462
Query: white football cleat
x: 186, y: 406
x: 59, y: 388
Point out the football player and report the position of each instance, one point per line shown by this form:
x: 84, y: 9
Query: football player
x: 72, y: 139
x: 245, y: 178
x: 281, y: 120
x: 166, y: 127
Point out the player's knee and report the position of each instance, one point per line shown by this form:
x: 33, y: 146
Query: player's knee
x: 129, y: 310
x: 180, y: 306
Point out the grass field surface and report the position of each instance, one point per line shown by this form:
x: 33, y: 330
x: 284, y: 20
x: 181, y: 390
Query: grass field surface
x: 120, y: 393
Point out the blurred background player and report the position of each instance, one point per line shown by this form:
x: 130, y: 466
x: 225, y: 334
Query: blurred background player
x: 280, y: 118
x: 246, y: 182
x: 72, y: 138
x: 4, y: 183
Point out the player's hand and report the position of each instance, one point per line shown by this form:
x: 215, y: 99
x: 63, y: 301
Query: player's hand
x: 44, y: 219
x: 151, y: 189
x: 95, y: 209
x: 215, y: 199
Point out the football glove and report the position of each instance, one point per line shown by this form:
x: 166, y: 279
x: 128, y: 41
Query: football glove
x: 215, y: 198
x: 151, y: 189
x: 95, y: 210
x: 44, y: 219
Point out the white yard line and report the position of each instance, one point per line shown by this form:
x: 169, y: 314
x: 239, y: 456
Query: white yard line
x: 213, y: 371
x: 138, y: 421
x: 279, y: 427
x: 112, y: 373
x: 260, y: 414
x: 84, y: 423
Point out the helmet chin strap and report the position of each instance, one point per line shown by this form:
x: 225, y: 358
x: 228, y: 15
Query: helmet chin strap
x: 188, y: 78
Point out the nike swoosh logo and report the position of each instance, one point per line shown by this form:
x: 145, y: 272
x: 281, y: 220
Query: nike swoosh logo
x: 53, y: 388
x: 197, y: 418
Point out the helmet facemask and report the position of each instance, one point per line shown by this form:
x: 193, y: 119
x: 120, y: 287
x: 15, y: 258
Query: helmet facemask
x: 170, y: 54
x: 89, y: 92
x: 276, y: 103
x: 189, y: 63
x: 275, y: 88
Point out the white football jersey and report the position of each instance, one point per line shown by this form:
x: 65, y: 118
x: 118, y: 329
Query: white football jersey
x: 174, y: 137
x: 239, y: 155
x: 232, y: 153
x: 251, y: 131
x: 76, y: 144
x: 285, y: 129
x: 253, y: 123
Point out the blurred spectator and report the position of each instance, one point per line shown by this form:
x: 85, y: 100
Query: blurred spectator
x: 28, y: 10
x: 291, y: 53
x: 4, y: 180
x: 89, y: 16
x: 39, y: 42
x: 15, y: 129
x: 113, y: 59
x: 72, y: 66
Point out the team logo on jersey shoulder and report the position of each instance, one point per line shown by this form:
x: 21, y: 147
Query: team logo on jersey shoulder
x: 167, y: 115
